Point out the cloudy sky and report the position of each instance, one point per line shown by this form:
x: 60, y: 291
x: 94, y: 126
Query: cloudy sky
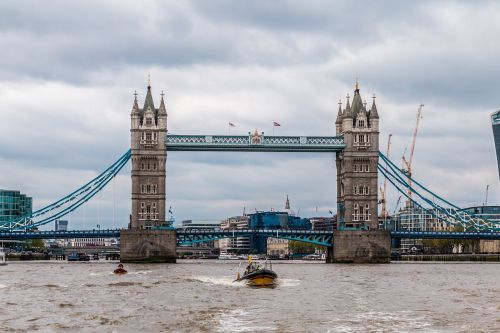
x: 68, y: 72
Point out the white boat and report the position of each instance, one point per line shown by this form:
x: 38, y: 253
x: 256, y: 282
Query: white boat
x: 228, y: 256
x: 2, y: 257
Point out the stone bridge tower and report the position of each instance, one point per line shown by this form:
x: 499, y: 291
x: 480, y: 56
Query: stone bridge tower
x: 148, y: 238
x: 357, y: 238
x: 149, y: 154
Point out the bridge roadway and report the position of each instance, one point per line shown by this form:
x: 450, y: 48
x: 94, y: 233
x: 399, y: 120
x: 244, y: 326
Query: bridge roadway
x: 255, y: 143
x: 188, y: 237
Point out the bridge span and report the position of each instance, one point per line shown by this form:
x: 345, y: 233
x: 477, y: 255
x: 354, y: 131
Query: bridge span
x: 188, y: 237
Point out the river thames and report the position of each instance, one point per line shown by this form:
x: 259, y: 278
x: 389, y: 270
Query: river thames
x: 199, y: 296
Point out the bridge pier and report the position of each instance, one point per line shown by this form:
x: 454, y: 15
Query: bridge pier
x: 360, y: 246
x: 148, y: 246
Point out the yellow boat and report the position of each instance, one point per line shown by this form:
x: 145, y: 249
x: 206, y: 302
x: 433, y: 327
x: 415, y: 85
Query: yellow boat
x: 256, y: 275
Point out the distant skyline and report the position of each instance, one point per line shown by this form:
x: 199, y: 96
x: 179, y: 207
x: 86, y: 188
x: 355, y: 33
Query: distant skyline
x: 69, y: 71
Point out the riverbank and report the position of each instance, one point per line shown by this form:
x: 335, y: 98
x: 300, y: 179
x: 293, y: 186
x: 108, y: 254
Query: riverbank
x: 448, y: 257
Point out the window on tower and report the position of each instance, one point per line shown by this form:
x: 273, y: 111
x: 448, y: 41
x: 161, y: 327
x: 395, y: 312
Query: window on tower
x: 149, y: 121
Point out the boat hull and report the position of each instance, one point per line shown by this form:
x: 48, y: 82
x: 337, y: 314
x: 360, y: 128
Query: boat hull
x: 120, y: 271
x: 260, y: 278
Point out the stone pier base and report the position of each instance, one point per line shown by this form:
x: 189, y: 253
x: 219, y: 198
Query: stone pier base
x: 360, y: 246
x: 147, y: 246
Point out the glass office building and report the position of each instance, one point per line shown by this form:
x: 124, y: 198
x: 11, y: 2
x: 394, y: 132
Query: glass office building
x: 495, y: 123
x: 13, y: 204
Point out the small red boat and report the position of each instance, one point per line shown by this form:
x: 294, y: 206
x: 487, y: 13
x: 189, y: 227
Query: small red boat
x: 120, y: 270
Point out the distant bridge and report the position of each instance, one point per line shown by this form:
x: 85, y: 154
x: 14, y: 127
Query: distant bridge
x: 193, y: 236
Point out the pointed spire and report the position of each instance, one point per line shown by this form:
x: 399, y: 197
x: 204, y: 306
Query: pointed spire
x: 148, y: 102
x: 357, y: 103
x: 162, y: 110
x: 135, y: 107
x: 347, y: 112
x: 373, y: 110
x: 339, y: 114
x: 287, y: 203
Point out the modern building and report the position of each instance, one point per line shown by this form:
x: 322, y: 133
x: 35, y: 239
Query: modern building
x: 199, y: 225
x: 495, y: 123
x: 491, y: 213
x: 14, y: 204
x: 61, y: 225
x: 277, y: 247
x: 413, y: 218
x: 323, y: 223
x: 273, y: 220
x: 199, y: 249
x: 237, y: 244
x: 87, y: 242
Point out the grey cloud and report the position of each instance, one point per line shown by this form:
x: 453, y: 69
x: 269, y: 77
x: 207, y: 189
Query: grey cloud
x: 69, y: 71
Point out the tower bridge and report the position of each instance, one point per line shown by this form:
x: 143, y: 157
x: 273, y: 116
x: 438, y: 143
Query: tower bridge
x: 355, y: 144
x: 150, y: 238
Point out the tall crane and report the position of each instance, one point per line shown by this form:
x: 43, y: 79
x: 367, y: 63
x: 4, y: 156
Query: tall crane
x: 408, y: 163
x: 383, y: 190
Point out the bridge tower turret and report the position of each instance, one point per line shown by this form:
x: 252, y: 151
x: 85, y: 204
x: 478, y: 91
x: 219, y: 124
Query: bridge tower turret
x: 357, y: 238
x: 148, y: 238
x: 148, y: 131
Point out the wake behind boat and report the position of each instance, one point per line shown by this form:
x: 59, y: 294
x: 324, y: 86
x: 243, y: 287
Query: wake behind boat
x: 256, y: 275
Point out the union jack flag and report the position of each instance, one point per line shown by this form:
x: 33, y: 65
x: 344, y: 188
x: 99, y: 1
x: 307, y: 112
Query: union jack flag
x: 276, y: 124
x: 231, y: 124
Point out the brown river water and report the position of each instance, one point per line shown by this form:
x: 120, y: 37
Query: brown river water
x: 199, y: 296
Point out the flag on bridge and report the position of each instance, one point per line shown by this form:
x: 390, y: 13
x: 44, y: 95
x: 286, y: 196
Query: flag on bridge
x: 276, y: 124
x: 231, y: 124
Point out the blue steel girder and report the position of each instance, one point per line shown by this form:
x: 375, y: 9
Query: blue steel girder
x: 185, y: 237
x: 99, y: 233
x: 188, y: 237
x: 255, y: 143
x: 445, y: 234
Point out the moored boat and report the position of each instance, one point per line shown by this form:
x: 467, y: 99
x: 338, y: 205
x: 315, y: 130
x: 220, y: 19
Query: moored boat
x: 3, y: 261
x: 228, y: 256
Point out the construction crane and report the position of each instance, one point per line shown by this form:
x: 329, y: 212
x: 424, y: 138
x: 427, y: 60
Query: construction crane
x: 383, y: 190
x: 407, y: 164
x: 486, y: 201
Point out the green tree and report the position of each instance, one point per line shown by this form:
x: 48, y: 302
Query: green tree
x: 446, y: 245
x: 36, y: 243
x: 299, y: 247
